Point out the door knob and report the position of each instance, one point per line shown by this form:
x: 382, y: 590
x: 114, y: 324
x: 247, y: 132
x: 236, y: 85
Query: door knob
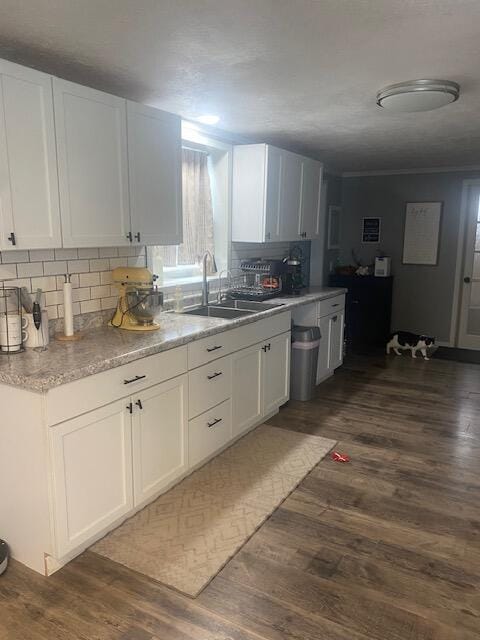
x: 466, y: 279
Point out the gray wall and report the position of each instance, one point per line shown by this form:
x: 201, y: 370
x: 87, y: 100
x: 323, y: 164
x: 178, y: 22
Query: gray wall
x: 423, y: 295
x: 320, y: 255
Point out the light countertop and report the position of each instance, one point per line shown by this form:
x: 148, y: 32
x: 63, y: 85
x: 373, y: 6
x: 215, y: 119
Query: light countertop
x: 106, y: 347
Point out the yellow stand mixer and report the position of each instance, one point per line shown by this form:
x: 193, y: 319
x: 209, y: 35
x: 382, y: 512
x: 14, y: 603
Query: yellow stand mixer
x: 139, y: 300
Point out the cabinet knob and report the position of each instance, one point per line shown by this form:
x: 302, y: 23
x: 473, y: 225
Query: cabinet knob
x: 217, y: 346
x: 137, y: 236
x: 135, y: 379
x: 129, y: 236
x: 139, y: 404
x: 335, y: 318
x: 11, y: 238
x: 130, y: 407
x: 267, y: 236
x: 214, y: 422
x: 466, y: 280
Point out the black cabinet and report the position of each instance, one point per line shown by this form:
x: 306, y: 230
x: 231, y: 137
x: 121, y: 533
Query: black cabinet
x: 368, y: 310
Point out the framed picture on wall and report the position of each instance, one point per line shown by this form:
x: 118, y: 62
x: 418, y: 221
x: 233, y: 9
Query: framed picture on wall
x: 371, y: 230
x: 334, y: 215
x: 422, y: 232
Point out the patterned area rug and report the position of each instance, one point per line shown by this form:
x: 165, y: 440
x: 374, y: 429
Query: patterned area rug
x: 188, y: 534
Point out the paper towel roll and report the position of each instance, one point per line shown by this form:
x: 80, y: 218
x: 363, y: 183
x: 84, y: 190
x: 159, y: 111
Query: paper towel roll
x: 67, y: 307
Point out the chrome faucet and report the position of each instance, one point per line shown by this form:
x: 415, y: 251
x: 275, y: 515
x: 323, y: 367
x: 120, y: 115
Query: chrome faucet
x: 205, y: 287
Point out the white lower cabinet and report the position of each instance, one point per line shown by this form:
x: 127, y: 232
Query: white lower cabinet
x: 92, y: 474
x: 159, y: 434
x: 247, y: 405
x: 276, y: 372
x: 323, y: 368
x: 260, y: 381
x: 335, y: 353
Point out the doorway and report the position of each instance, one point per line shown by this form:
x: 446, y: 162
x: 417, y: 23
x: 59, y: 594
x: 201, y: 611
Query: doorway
x: 469, y: 318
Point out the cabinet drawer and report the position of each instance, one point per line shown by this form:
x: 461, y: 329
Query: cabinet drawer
x: 209, y: 432
x: 83, y: 395
x: 209, y: 385
x: 326, y: 307
x: 207, y: 349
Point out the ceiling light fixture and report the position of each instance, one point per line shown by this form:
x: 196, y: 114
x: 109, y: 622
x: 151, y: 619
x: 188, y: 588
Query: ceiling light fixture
x: 208, y: 119
x: 418, y: 95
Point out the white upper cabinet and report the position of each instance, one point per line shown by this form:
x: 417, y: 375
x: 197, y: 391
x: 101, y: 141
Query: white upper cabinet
x: 29, y: 211
x: 311, y: 222
x: 275, y: 195
x: 92, y: 165
x: 257, y: 170
x: 290, y: 196
x: 155, y: 175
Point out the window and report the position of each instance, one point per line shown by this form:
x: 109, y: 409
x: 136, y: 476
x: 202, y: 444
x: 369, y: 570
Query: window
x: 205, y: 200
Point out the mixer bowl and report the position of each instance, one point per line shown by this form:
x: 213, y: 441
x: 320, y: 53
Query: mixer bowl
x: 144, y: 304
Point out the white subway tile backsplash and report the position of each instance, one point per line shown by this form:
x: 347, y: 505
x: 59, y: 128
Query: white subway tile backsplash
x: 88, y: 253
x: 137, y: 261
x: 117, y: 262
x: 109, y: 303
x: 8, y: 271
x: 82, y: 293
x: 18, y: 282
x: 52, y: 312
x: 9, y: 257
x: 55, y: 268
x: 29, y: 269
x: 102, y: 291
x: 105, y: 277
x: 100, y: 264
x: 66, y: 254
x: 41, y: 255
x: 53, y: 297
x: 45, y: 283
x: 126, y: 251
x: 108, y: 252
x: 89, y: 279
x: 90, y: 305
x: 78, y: 266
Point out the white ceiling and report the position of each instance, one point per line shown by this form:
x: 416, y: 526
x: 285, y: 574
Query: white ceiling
x: 298, y: 73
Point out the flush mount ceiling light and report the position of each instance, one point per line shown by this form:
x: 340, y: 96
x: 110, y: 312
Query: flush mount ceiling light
x: 418, y: 95
x: 208, y: 119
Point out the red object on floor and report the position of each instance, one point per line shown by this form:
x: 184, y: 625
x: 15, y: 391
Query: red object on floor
x: 339, y: 457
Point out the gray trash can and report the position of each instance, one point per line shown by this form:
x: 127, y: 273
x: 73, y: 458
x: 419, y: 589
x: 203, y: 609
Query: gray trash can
x: 303, y: 370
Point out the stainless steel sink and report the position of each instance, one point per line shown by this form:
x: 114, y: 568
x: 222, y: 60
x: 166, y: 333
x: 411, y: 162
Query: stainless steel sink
x: 213, y: 311
x: 248, y: 305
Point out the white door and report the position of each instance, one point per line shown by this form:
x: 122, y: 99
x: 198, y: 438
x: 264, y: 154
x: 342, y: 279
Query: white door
x: 336, y: 321
x: 469, y: 330
x: 323, y: 368
x: 29, y: 209
x: 155, y: 175
x: 276, y: 372
x: 274, y: 173
x: 247, y: 405
x: 159, y: 437
x: 290, y: 196
x: 91, y: 129
x: 92, y: 474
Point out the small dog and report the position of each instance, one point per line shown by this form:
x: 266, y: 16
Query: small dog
x: 412, y: 341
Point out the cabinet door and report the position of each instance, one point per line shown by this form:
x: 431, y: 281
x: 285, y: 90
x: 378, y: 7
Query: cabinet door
x: 274, y: 175
x: 28, y: 164
x: 247, y: 405
x: 159, y: 437
x: 92, y: 474
x: 309, y: 209
x: 290, y: 193
x: 323, y: 367
x: 276, y: 372
x: 155, y: 175
x: 336, y: 321
x: 92, y: 166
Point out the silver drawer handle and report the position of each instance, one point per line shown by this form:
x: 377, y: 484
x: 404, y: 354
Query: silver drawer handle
x: 212, y: 424
x: 135, y: 379
x: 215, y: 375
x: 337, y: 304
x: 210, y: 349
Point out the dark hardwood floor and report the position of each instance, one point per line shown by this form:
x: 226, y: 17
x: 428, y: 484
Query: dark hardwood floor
x: 384, y: 548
